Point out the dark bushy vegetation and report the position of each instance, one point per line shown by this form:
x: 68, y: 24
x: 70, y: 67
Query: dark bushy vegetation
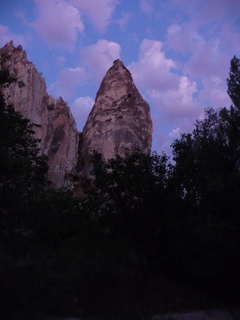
x: 148, y: 236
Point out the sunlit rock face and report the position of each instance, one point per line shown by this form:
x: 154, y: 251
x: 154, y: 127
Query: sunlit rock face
x: 120, y: 119
x: 52, y: 120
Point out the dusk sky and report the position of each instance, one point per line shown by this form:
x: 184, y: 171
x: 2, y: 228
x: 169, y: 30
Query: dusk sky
x: 178, y: 52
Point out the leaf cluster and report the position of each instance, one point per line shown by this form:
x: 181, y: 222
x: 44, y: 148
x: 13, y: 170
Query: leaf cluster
x: 147, y: 234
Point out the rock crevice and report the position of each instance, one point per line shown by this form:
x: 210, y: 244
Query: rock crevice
x: 119, y: 121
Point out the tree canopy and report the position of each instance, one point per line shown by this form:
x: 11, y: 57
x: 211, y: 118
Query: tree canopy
x: 148, y: 234
x: 233, y: 82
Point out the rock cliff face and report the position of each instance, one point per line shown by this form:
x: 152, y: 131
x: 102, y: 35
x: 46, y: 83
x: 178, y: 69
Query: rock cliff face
x: 52, y: 120
x: 120, y: 119
x: 118, y: 123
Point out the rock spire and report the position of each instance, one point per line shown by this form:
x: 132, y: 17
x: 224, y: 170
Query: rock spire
x: 51, y: 119
x: 119, y: 122
x: 120, y: 119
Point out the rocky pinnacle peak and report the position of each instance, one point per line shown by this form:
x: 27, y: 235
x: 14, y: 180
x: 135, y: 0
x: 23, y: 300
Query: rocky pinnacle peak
x: 118, y: 123
x: 118, y: 63
x: 10, y: 44
x: 52, y: 121
x: 16, y: 53
x: 120, y: 119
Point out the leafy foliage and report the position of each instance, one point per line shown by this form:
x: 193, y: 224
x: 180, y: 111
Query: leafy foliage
x: 147, y: 236
x: 22, y: 170
x: 234, y: 82
x: 130, y: 194
x: 207, y: 174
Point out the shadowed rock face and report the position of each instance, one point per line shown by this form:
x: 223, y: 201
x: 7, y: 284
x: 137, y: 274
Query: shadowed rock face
x: 120, y: 119
x: 52, y: 120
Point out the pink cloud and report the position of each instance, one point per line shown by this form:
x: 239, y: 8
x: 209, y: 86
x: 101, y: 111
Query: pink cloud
x: 178, y: 105
x: 215, y: 91
x: 230, y: 40
x: 207, y: 11
x: 177, y: 38
x: 173, y: 98
x: 207, y: 60
x: 146, y: 6
x: 206, y: 20
x: 81, y: 108
x: 96, y: 60
x: 6, y: 35
x: 99, y: 57
x: 58, y: 22
x: 123, y: 21
x: 168, y: 93
x: 99, y: 12
x: 152, y: 72
x: 69, y: 80
x: 184, y: 38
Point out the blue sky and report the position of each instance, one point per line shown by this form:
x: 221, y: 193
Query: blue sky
x: 178, y: 52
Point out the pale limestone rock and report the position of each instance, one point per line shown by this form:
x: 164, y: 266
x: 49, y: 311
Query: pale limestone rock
x: 120, y: 119
x: 52, y: 120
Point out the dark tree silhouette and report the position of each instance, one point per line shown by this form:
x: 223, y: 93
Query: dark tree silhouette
x: 233, y: 82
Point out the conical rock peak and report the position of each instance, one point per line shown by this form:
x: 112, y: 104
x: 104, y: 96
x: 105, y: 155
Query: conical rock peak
x: 120, y: 120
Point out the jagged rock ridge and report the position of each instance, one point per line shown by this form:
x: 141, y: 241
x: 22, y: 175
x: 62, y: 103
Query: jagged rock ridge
x: 120, y: 119
x: 119, y: 122
x: 52, y: 120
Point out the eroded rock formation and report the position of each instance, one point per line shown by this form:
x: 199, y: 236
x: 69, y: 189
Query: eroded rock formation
x: 120, y: 119
x: 119, y: 122
x: 52, y: 120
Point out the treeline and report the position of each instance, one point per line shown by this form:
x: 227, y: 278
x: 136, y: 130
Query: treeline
x: 149, y: 235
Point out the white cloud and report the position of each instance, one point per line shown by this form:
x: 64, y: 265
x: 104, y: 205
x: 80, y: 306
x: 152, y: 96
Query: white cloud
x: 173, y: 98
x: 153, y: 69
x: 58, y: 22
x: 81, y: 108
x: 99, y: 57
x: 178, y: 98
x: 99, y: 12
x: 186, y: 90
x: 178, y: 106
x: 69, y: 80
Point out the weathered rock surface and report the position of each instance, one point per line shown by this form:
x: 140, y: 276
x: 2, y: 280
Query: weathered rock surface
x: 120, y: 119
x: 52, y: 120
x: 119, y: 122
